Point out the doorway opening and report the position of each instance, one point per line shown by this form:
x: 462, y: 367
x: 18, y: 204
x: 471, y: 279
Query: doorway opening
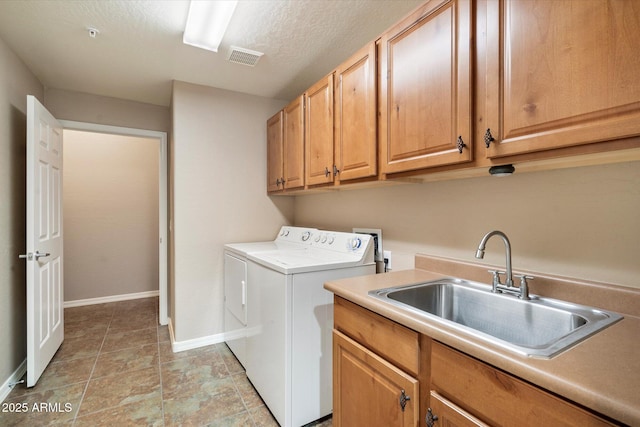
x: 116, y: 214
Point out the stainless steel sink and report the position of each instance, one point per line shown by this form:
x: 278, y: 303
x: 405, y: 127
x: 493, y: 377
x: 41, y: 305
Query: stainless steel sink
x: 539, y: 327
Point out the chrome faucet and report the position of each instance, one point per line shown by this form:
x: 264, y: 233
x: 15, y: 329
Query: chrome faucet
x: 480, y: 255
x: 523, y: 291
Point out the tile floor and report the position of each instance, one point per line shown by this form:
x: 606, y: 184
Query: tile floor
x: 116, y: 367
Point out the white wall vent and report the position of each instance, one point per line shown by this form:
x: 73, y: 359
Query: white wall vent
x: 244, y: 56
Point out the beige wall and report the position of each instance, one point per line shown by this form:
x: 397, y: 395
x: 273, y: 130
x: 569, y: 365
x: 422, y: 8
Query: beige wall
x: 83, y: 107
x: 110, y: 214
x: 580, y: 222
x: 16, y: 82
x: 219, y: 181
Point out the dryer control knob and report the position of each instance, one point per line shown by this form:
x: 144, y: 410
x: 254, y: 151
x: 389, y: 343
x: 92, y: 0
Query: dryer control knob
x: 331, y: 240
x: 317, y: 239
x: 306, y: 235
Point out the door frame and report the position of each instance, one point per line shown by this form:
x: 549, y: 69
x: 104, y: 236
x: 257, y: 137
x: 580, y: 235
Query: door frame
x: 163, y: 309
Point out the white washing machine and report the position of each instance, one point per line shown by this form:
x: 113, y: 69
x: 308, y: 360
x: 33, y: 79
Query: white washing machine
x: 290, y: 320
x: 235, y: 281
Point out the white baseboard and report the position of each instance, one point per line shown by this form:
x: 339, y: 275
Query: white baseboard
x: 112, y: 298
x: 5, y: 388
x: 178, y: 346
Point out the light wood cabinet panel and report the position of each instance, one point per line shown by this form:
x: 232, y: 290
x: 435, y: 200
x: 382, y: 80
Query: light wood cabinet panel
x: 293, y: 144
x: 425, y: 88
x: 498, y: 398
x: 285, y: 148
x: 275, y: 159
x: 445, y: 413
x: 396, y: 343
x: 561, y: 73
x: 319, y: 132
x: 356, y: 148
x: 368, y: 390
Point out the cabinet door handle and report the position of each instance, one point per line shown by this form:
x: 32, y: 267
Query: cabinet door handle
x: 460, y: 144
x: 327, y: 172
x: 403, y: 399
x: 488, y: 138
x: 431, y: 418
x: 336, y: 171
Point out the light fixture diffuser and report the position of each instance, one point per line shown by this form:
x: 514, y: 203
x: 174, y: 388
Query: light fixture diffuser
x: 207, y: 23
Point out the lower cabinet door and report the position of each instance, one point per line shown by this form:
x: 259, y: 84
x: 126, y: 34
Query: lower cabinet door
x: 443, y: 413
x: 368, y: 390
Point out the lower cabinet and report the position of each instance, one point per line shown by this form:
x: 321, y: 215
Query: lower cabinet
x: 368, y: 390
x: 476, y: 389
x: 443, y: 412
x: 387, y: 375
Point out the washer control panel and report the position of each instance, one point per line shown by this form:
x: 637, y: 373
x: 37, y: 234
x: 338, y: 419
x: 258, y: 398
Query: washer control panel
x: 340, y: 242
x: 295, y: 234
x: 334, y: 240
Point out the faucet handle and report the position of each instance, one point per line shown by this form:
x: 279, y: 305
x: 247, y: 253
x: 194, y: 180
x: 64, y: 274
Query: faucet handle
x: 524, y: 286
x: 496, y: 279
x: 496, y: 272
x: 524, y: 278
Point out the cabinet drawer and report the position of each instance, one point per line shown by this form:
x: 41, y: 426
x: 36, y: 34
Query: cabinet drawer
x: 498, y: 398
x: 394, y: 342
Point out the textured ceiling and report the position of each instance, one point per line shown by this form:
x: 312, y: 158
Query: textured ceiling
x: 139, y: 49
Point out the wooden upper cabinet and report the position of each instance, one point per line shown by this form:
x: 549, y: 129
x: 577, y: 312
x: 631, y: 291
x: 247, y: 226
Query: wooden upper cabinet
x: 319, y: 132
x: 293, y: 144
x: 356, y: 148
x: 561, y: 73
x: 275, y: 160
x: 425, y: 88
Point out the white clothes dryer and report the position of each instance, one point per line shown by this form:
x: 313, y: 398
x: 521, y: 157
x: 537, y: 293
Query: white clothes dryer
x: 236, y: 283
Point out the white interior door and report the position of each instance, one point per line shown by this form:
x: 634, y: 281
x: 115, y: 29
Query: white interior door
x: 45, y: 310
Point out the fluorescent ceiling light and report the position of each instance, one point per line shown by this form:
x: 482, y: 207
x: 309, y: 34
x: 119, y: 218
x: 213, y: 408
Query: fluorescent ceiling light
x: 207, y: 23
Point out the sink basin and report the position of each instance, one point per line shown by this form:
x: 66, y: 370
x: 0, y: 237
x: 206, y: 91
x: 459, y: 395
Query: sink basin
x: 539, y: 327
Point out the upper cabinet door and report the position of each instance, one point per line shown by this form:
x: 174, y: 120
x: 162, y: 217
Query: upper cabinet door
x: 425, y: 99
x: 355, y: 131
x: 319, y: 132
x: 561, y: 73
x: 275, y: 158
x: 293, y: 143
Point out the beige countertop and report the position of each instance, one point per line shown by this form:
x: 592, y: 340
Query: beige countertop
x: 601, y: 373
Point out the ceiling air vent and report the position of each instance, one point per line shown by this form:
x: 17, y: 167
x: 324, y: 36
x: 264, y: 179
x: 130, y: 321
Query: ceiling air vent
x: 244, y: 56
